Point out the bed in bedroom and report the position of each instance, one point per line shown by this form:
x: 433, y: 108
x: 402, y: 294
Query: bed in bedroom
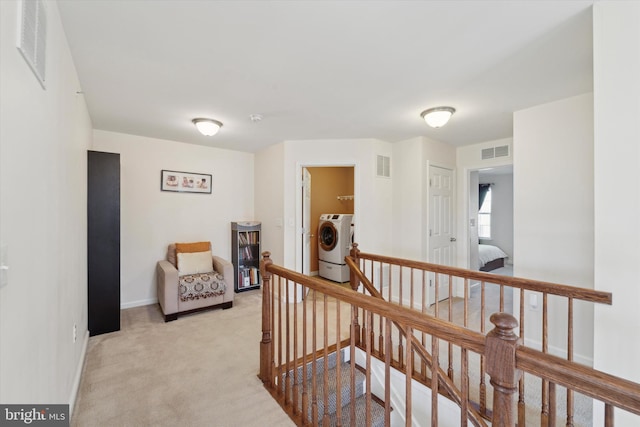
x: 490, y: 257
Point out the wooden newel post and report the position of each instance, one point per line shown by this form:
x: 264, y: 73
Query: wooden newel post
x: 355, y: 255
x: 265, y: 343
x: 500, y: 350
x: 355, y: 326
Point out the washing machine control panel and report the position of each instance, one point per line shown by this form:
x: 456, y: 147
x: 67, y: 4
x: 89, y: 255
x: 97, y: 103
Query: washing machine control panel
x: 331, y: 217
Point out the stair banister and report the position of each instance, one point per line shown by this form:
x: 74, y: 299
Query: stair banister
x: 266, y: 358
x: 449, y: 387
x: 521, y: 285
x: 582, y: 294
x: 505, y: 356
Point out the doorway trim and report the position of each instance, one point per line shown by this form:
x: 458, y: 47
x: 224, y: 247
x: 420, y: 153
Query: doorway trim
x: 299, y: 225
x: 466, y: 217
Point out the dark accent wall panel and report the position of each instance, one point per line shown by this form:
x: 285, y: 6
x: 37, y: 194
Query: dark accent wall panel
x: 103, y: 240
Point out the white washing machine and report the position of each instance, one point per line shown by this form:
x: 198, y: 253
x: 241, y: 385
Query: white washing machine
x: 335, y: 234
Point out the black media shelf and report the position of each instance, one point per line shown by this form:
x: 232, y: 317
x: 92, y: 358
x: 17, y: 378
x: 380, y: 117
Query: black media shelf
x: 245, y: 248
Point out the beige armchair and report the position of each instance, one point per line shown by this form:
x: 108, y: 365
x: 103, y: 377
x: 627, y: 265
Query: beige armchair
x: 192, y: 279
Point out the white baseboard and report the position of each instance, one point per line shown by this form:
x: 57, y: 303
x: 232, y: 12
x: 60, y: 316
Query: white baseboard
x: 138, y: 303
x: 75, y: 387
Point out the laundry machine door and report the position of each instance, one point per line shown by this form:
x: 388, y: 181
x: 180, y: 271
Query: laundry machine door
x: 327, y: 236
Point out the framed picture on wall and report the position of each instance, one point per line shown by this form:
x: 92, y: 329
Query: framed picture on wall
x: 185, y: 182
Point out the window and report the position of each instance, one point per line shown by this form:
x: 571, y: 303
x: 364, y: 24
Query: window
x: 484, y: 217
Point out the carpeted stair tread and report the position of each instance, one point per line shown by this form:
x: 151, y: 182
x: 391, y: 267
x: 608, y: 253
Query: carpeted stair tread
x: 307, y: 369
x: 304, y: 377
x: 345, y: 389
x: 377, y: 414
x: 335, y: 385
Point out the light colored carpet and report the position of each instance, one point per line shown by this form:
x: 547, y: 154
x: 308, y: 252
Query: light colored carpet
x: 200, y: 370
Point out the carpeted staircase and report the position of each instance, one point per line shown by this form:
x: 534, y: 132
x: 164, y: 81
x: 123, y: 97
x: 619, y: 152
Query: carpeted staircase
x: 304, y: 377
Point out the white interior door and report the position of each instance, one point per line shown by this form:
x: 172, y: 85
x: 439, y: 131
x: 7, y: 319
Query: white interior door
x: 306, y: 221
x: 441, y: 233
x: 474, y: 179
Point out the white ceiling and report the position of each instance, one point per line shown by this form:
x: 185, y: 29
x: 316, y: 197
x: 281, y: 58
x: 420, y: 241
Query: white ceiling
x: 324, y: 69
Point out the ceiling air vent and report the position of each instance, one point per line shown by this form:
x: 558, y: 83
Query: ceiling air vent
x: 502, y: 151
x: 383, y: 167
x: 32, y: 41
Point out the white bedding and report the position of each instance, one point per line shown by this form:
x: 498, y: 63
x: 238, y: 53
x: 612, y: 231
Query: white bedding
x: 487, y: 253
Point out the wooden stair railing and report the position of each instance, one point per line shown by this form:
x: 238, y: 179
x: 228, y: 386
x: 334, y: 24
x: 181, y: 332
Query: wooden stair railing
x: 505, y: 358
x: 450, y: 389
x: 613, y: 391
x: 407, y: 318
x: 398, y: 279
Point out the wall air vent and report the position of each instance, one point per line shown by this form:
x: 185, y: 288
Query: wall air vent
x: 492, y: 152
x: 32, y: 39
x: 488, y: 153
x: 502, y: 151
x: 383, y: 167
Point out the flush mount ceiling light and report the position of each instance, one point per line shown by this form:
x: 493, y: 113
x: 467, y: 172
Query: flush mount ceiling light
x: 438, y: 116
x: 207, y: 127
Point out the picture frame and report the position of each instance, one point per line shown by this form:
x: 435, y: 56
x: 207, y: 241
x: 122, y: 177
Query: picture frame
x: 185, y: 182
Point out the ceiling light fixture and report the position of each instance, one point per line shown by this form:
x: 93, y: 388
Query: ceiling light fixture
x: 207, y: 127
x: 438, y: 116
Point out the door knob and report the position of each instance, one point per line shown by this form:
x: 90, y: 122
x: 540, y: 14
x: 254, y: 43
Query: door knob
x: 453, y: 239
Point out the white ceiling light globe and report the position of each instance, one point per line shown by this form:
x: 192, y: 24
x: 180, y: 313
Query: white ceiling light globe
x: 207, y: 127
x: 437, y: 117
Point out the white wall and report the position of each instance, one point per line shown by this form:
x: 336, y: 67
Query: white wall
x: 468, y: 158
x: 409, y: 198
x: 151, y: 219
x: 553, y: 210
x: 44, y: 137
x: 269, y: 199
x: 617, y: 191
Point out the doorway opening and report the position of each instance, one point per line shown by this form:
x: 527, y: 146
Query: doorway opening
x: 325, y: 189
x: 490, y: 225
